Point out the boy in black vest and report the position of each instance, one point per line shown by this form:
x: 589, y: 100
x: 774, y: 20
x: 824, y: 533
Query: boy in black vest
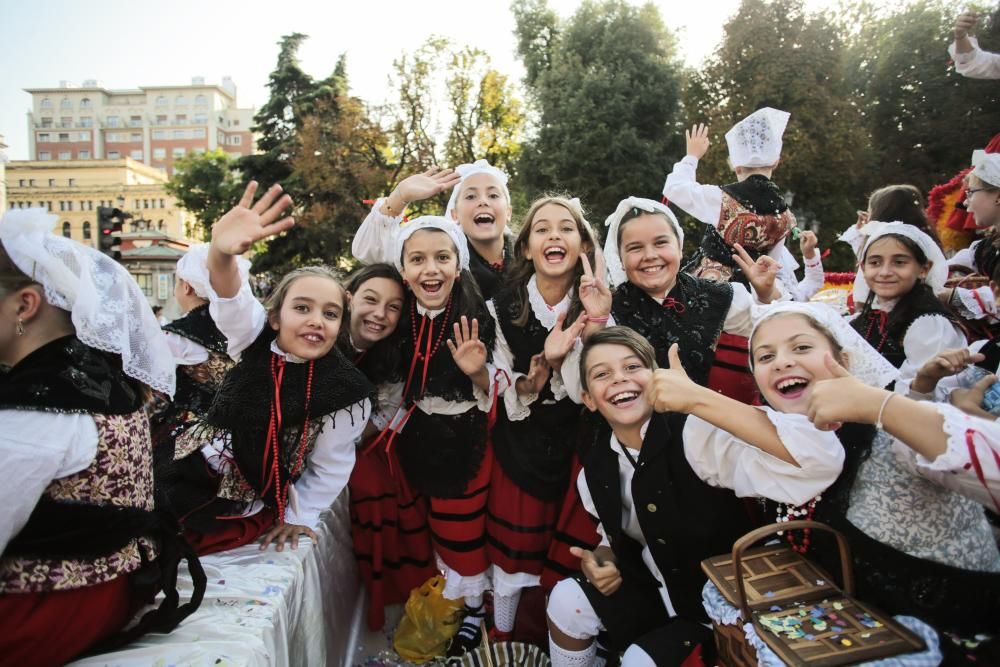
x: 642, y: 585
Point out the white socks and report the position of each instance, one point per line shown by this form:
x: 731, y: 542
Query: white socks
x: 505, y: 611
x: 563, y: 658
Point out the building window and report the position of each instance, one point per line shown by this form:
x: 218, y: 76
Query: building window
x: 72, y: 182
x: 159, y: 134
x: 45, y: 155
x: 31, y: 182
x: 145, y: 282
x: 161, y: 101
x: 179, y: 152
x: 45, y: 104
x: 114, y: 137
x: 136, y: 154
x: 198, y: 133
x: 236, y: 123
x: 161, y: 119
x: 159, y: 225
x: 114, y: 155
x: 66, y: 229
x: 65, y: 121
x: 181, y: 119
x: 52, y: 182
x: 161, y: 203
x: 180, y: 101
x: 64, y: 136
x: 135, y: 136
x: 86, y: 121
x: 83, y: 136
x: 66, y: 103
x: 85, y: 103
x: 83, y: 155
x: 200, y: 101
x: 47, y: 122
x: 180, y: 134
x: 201, y: 119
x: 159, y: 153
x: 86, y: 231
x: 65, y: 155
x: 145, y: 203
x: 44, y: 136
x: 198, y: 151
x: 113, y: 121
x: 236, y: 141
x: 135, y: 121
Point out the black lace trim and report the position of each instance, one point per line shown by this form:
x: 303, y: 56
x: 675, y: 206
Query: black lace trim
x: 198, y: 326
x: 67, y: 376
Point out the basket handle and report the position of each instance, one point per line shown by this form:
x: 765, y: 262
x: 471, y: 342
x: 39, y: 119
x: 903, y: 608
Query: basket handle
x: 754, y: 536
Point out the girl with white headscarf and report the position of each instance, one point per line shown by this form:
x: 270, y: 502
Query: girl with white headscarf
x: 479, y: 204
x: 902, y: 270
x: 652, y: 296
x: 445, y: 381
x: 82, y: 546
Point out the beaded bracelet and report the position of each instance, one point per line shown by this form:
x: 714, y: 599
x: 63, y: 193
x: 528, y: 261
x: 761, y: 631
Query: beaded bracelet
x: 885, y: 401
x: 599, y: 319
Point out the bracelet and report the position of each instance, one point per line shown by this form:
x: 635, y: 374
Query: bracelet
x: 885, y: 401
x: 388, y: 207
x: 598, y: 319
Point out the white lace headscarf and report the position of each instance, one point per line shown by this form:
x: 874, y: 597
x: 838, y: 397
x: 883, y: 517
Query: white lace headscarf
x: 755, y: 141
x: 108, y: 310
x: 445, y: 225
x: 477, y: 167
x: 873, y: 231
x: 612, y: 253
x: 863, y: 361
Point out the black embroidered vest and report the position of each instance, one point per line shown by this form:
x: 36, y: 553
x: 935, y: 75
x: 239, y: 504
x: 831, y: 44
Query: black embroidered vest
x: 534, y: 452
x: 693, y: 321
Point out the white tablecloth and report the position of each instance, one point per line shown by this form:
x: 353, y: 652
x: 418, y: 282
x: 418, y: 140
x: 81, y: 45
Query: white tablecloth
x: 300, y: 606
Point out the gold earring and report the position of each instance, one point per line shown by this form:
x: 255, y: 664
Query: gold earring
x: 20, y: 327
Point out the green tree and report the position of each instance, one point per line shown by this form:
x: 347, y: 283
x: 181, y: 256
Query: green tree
x: 923, y: 118
x: 605, y: 87
x: 340, y: 162
x: 206, y: 186
x: 774, y: 53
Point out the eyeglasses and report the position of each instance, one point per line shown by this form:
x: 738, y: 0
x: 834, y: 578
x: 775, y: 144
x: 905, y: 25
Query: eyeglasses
x: 971, y: 191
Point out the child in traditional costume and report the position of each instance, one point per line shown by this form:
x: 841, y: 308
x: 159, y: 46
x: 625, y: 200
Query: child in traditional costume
x: 479, y: 203
x: 82, y: 546
x: 277, y: 446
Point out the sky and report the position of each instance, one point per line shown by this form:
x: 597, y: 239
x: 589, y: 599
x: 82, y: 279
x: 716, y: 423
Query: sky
x: 130, y: 43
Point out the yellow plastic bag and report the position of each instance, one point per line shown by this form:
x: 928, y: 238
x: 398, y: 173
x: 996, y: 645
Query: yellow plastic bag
x: 429, y: 623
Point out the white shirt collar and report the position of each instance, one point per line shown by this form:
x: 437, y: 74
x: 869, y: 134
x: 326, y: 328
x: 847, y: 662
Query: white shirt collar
x: 617, y: 446
x: 885, y: 306
x: 287, y: 356
x: 429, y: 313
x: 545, y: 313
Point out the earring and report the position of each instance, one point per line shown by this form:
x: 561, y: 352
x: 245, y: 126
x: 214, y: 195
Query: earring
x: 20, y: 327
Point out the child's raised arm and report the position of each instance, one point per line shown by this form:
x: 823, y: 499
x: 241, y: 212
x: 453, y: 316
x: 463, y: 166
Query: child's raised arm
x: 373, y: 241
x: 241, y: 227
x: 703, y: 202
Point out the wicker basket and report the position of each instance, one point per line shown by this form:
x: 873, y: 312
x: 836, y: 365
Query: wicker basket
x: 796, y: 609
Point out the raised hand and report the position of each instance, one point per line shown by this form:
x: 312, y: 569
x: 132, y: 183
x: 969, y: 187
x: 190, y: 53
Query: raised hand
x: 943, y: 364
x: 671, y: 390
x: 697, y: 140
x: 808, y: 243
x: 421, y: 186
x: 286, y: 532
x: 761, y: 273
x: 965, y: 23
x: 602, y: 574
x: 537, y: 376
x: 594, y: 292
x: 246, y: 223
x: 560, y: 341
x: 467, y: 350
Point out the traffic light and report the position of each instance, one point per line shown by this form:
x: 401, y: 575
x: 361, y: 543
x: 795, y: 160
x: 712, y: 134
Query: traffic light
x: 109, y: 229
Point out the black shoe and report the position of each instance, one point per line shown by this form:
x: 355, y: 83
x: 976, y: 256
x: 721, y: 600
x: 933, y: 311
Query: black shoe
x: 470, y: 633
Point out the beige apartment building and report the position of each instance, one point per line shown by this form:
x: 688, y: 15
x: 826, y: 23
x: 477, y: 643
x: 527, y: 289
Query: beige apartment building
x: 3, y: 177
x: 155, y: 236
x: 154, y: 125
x: 73, y: 190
